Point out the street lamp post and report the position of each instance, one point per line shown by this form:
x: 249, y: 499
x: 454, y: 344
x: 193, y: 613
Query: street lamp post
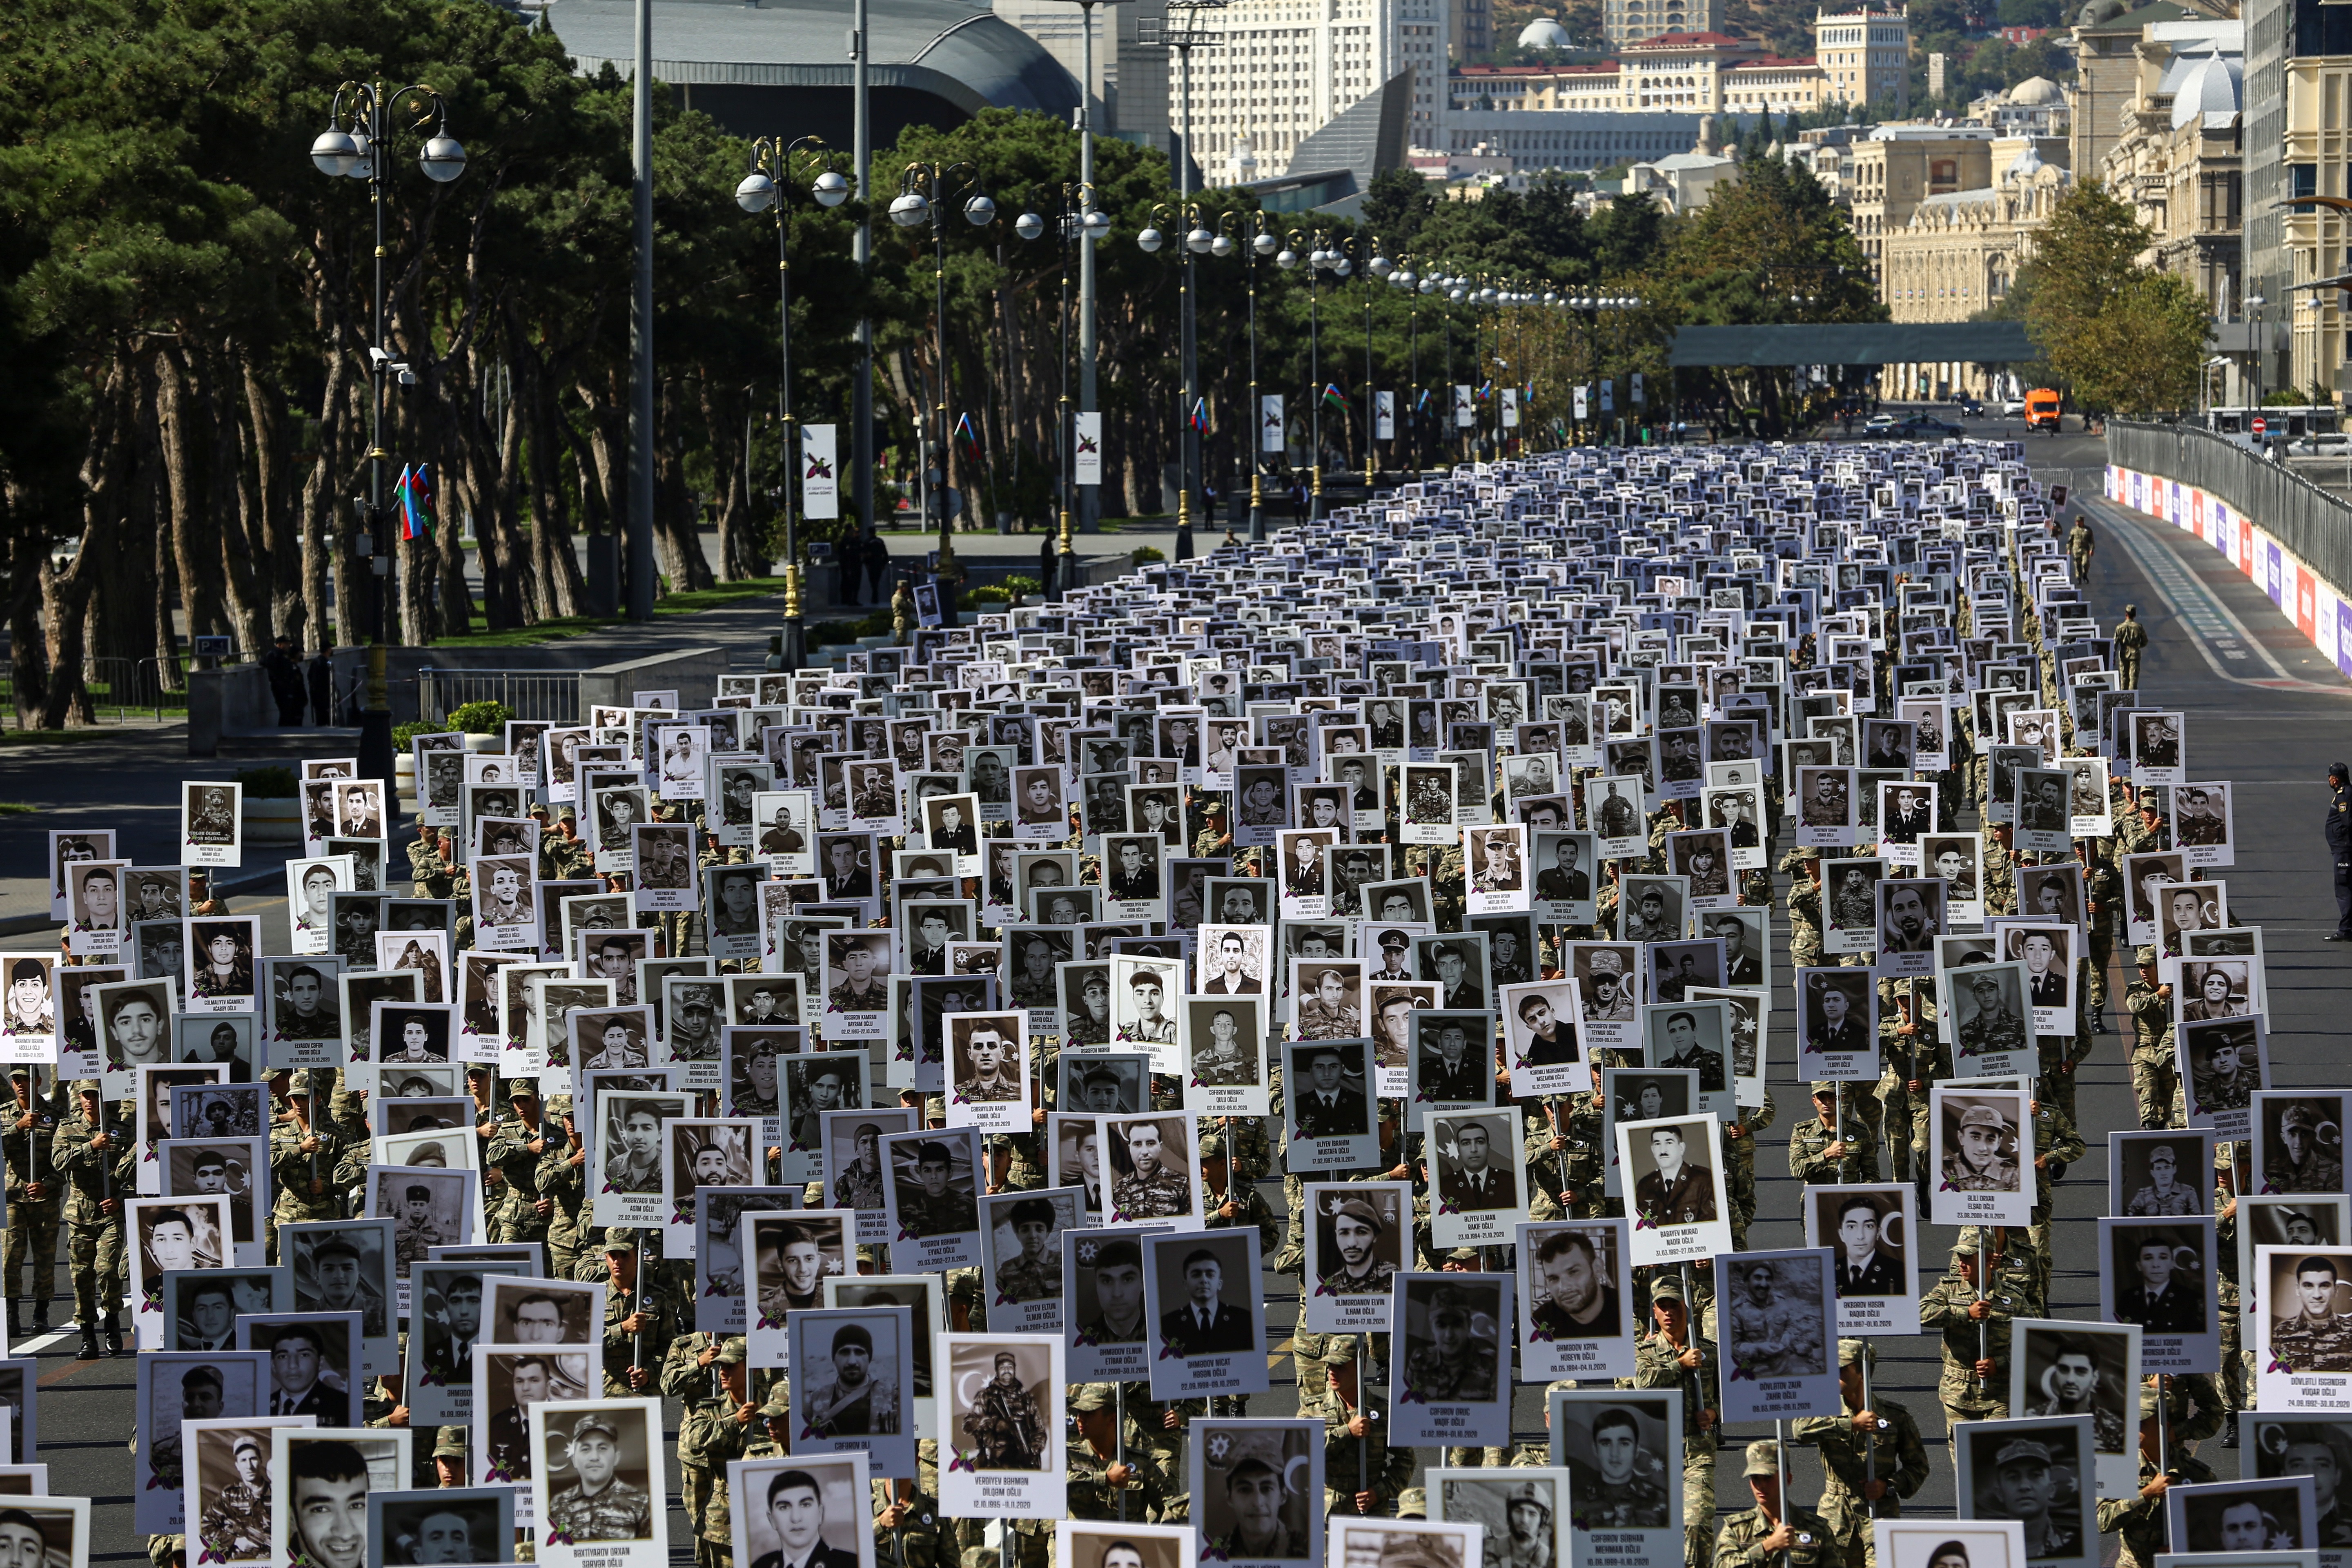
x: 1378, y: 267
x: 768, y: 188
x: 1262, y: 243
x: 924, y: 191
x: 1415, y: 287
x: 1077, y: 216
x: 1318, y: 259
x: 353, y: 154
x: 1195, y: 240
x: 1183, y: 33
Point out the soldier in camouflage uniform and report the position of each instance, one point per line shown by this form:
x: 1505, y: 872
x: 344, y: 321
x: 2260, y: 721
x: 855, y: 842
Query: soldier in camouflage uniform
x: 1997, y: 881
x: 433, y: 862
x: 1974, y: 1386
x: 1816, y: 1156
x: 1870, y: 1454
x: 2057, y: 1143
x: 641, y: 1316
x: 1100, y: 1486
x: 1672, y: 1357
x: 1232, y: 1202
x: 563, y: 1181
x: 1739, y: 1149
x: 2155, y: 1067
x: 1453, y: 1366
x: 1804, y: 868
x: 1005, y: 1428
x: 36, y: 1201
x: 1363, y: 1474
x: 2139, y: 1521
x: 1777, y: 1533
x: 97, y: 1153
x: 691, y: 1374
x: 514, y: 1152
x: 310, y: 1167
x: 236, y: 1524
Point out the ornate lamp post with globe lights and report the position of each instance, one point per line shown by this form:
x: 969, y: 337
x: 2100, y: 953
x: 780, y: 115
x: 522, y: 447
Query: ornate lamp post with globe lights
x: 924, y: 192
x: 353, y: 146
x: 769, y: 188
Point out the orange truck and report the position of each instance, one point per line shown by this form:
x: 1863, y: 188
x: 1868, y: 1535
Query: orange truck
x: 2042, y: 410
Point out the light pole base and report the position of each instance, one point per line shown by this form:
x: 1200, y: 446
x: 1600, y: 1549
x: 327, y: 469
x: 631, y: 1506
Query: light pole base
x: 375, y: 754
x: 794, y: 648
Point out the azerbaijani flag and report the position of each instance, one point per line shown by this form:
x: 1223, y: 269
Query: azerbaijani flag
x: 1331, y: 396
x: 969, y: 437
x: 1201, y: 415
x: 415, y: 492
x: 1424, y: 401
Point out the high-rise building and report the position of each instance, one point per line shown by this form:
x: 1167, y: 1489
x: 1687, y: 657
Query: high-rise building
x: 1470, y: 27
x: 1865, y: 56
x: 2298, y: 64
x: 1283, y: 69
x: 1422, y: 43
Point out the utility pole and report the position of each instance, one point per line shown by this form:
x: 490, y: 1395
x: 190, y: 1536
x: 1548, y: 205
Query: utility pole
x: 641, y: 334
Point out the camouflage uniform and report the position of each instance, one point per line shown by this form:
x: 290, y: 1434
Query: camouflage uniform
x: 1739, y: 1165
x: 1849, y: 1460
x: 706, y: 1437
x: 514, y: 1214
x: 1657, y: 1364
x: 1810, y: 1138
x: 431, y: 876
x: 567, y: 1185
x: 2010, y: 1292
x: 2155, y: 1067
x: 94, y: 1236
x: 32, y: 1222
x: 661, y: 1304
x: 1352, y: 1463
x: 1735, y: 1543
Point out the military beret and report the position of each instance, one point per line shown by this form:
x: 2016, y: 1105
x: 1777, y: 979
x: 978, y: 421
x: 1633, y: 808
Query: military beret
x: 1360, y: 1210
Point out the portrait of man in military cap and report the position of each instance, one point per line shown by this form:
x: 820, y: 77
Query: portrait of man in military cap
x: 1524, y: 1513
x: 1452, y: 1351
x: 2040, y: 1475
x: 2300, y: 1142
x: 1622, y: 1475
x: 1256, y: 1499
x: 597, y: 1476
x: 1979, y: 1142
x: 2157, y: 1174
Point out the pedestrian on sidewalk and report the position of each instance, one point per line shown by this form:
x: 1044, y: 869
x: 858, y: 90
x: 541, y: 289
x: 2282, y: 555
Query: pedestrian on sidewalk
x: 849, y: 567
x: 2339, y: 847
x: 876, y: 550
x: 285, y: 682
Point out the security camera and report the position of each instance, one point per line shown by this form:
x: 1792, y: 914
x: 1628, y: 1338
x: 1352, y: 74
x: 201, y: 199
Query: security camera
x: 377, y: 357
x: 407, y: 376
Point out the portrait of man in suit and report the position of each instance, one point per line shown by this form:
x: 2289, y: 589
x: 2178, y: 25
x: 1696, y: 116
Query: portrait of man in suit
x: 1472, y: 1168
x: 1327, y: 1108
x: 793, y: 1509
x: 1202, y: 1322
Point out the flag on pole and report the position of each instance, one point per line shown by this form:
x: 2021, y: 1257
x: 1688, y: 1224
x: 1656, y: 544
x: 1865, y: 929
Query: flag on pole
x: 1201, y: 415
x: 1331, y: 397
x: 1487, y: 390
x: 413, y: 489
x: 968, y: 437
x: 1423, y: 402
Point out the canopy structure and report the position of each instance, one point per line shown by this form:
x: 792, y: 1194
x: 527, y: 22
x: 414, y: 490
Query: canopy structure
x: 1856, y: 342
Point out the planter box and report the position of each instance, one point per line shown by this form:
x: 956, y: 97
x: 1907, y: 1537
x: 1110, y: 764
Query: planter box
x: 275, y: 821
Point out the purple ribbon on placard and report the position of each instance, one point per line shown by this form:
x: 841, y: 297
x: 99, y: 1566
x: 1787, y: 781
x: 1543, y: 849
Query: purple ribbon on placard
x: 1166, y: 1351
x: 905, y: 1235
x: 1445, y: 1207
x: 1413, y: 1396
x: 1215, y: 1554
x: 1643, y: 1222
x: 768, y: 1322
x: 962, y: 1461
x: 1323, y: 1289
x: 952, y: 1100
x: 2278, y: 1365
x: 1538, y: 1335
x: 1005, y: 1300
x: 1739, y: 1371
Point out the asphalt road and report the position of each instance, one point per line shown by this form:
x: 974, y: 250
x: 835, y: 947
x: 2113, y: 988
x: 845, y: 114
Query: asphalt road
x: 2263, y: 711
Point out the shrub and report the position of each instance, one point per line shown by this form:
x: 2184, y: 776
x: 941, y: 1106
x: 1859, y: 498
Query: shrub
x: 1145, y: 555
x: 481, y: 718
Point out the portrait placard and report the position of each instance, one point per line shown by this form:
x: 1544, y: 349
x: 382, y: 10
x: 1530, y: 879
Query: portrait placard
x: 933, y: 1216
x: 1001, y: 1419
x: 2087, y: 1370
x: 1358, y: 1238
x: 1778, y: 1337
x: 854, y: 1374
x: 2161, y: 1275
x: 1621, y: 1448
x: 1022, y: 1265
x: 810, y: 1507
x: 1449, y: 1374
x: 1574, y: 1279
x: 2312, y: 1222
x: 598, y: 1483
x: 2231, y: 1517
x: 225, y: 1486
x: 1541, y: 1038
x: 1257, y: 1491
x: 1208, y: 1328
x: 1982, y: 1141
x: 1476, y: 1177
x: 1867, y: 1229
x: 790, y: 1256
x: 1678, y: 1208
x: 2039, y: 1473
x: 1224, y: 1044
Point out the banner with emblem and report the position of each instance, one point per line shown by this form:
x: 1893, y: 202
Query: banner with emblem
x: 1777, y: 1328
x: 1450, y: 1358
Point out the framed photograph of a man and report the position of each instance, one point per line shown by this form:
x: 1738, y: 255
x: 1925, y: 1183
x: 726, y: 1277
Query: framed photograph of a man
x: 855, y: 1371
x: 1837, y: 1025
x: 2161, y: 1275
x: 224, y: 1490
x: 1202, y: 1297
x: 1701, y: 858
x: 856, y: 985
x: 2317, y: 1446
x: 1868, y: 1232
x: 719, y: 1270
x: 1079, y: 1544
x: 507, y: 1380
x: 1257, y: 1491
x: 1451, y: 1062
x: 210, y: 824
x: 444, y: 1320
x: 444, y: 1525
x: 2223, y: 1063
x: 1992, y: 1021
x: 1450, y: 1373
x: 191, y: 1386
x: 201, y: 1167
x: 1499, y: 880
x: 1023, y: 1270
x: 544, y: 1311
x: 2299, y: 1139
x: 319, y: 1481
x: 2231, y: 1517
x: 2086, y: 1370
x: 1541, y: 1041
x: 1358, y: 1238
x: 168, y: 1233
x: 790, y: 1255
x: 1623, y: 1450
x: 2313, y: 1222
x: 2160, y: 1174
x: 1106, y: 1332
x: 1778, y: 1333
x: 1001, y: 1423
x: 1328, y: 1106
x: 1151, y: 1170
x: 313, y: 1363
x: 1678, y: 1185
x: 1574, y: 1278
x: 854, y: 1173
x: 1910, y: 916
x: 598, y: 1482
x: 933, y: 1215
x: 2039, y: 1472
x: 347, y: 1266
x: 697, y: 1152
x: 1981, y: 1143
x: 813, y: 1510
x: 1476, y: 1178
x: 989, y: 1083
x: 2303, y: 1335
x: 1693, y: 1036
x: 1224, y: 1044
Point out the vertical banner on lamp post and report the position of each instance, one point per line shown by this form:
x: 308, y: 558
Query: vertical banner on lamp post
x: 1609, y: 395
x: 1384, y: 415
x: 1583, y: 400
x: 1640, y: 397
x: 1466, y: 413
x: 820, y: 473
x: 1510, y: 396
x: 1270, y: 423
x: 1087, y: 464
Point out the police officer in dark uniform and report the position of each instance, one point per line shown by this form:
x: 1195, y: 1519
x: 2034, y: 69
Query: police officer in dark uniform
x: 2339, y: 847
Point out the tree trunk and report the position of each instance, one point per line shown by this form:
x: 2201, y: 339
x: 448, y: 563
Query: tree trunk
x: 197, y: 601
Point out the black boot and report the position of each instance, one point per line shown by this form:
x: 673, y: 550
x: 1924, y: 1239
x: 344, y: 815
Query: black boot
x: 40, y: 1314
x: 89, y: 1350
x: 114, y: 1335
x: 15, y: 1325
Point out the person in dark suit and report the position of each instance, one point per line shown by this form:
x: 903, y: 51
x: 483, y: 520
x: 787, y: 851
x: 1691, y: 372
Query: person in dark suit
x: 795, y: 1509
x: 1864, y: 1266
x: 1469, y: 1181
x: 1327, y: 1109
x: 1561, y: 881
x: 295, y: 1387
x: 1204, y: 1325
x: 1458, y: 991
x: 953, y: 831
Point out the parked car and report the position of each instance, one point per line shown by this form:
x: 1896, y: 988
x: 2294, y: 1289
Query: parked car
x: 2011, y: 407
x: 1880, y: 424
